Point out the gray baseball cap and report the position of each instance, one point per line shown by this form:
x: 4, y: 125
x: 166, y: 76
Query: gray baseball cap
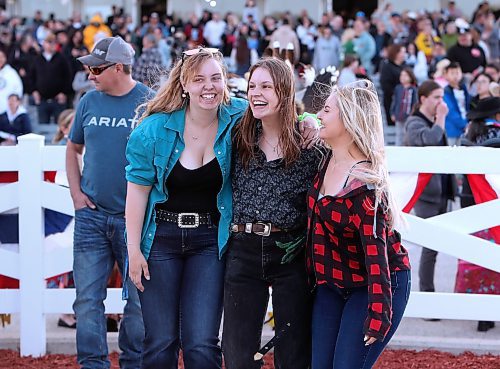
x: 109, y: 50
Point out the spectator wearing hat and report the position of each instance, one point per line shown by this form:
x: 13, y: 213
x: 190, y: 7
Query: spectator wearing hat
x: 468, y: 54
x: 51, y: 81
x: 482, y: 130
x: 457, y: 98
x: 103, y: 120
x: 95, y: 26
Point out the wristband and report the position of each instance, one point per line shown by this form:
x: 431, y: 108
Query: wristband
x: 314, y: 116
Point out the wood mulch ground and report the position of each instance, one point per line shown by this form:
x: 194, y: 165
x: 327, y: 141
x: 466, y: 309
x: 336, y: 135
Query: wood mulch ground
x: 398, y: 359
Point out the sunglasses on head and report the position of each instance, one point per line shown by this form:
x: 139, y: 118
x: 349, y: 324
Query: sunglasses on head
x: 211, y: 50
x: 98, y: 70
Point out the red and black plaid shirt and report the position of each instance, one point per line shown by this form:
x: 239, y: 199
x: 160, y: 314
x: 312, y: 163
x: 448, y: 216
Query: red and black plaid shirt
x: 349, y: 247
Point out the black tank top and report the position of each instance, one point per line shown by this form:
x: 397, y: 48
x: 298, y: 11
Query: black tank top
x: 193, y: 190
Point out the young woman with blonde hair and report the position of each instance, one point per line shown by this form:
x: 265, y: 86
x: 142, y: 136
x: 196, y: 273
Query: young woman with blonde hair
x: 64, y: 122
x: 178, y: 210
x: 270, y: 178
x: 353, y: 251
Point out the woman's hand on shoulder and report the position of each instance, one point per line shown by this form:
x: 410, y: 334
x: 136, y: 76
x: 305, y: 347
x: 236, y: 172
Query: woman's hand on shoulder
x: 309, y: 130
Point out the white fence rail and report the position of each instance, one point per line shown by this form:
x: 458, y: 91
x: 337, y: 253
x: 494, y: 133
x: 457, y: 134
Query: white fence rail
x: 32, y: 264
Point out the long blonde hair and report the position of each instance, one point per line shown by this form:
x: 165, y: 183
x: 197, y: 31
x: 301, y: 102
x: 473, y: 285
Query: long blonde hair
x: 169, y: 97
x: 64, y: 121
x: 289, y: 140
x: 359, y: 109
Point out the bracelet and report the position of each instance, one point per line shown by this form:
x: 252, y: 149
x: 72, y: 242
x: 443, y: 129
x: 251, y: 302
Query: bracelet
x: 314, y: 116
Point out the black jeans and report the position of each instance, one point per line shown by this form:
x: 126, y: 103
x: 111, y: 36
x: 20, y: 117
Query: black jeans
x: 253, y: 264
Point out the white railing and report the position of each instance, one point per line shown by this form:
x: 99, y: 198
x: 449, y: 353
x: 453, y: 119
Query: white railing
x: 32, y: 264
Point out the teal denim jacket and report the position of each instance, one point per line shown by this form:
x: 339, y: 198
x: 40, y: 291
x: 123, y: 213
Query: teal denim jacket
x: 154, y: 148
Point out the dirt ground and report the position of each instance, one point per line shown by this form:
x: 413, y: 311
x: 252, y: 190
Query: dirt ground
x: 390, y: 360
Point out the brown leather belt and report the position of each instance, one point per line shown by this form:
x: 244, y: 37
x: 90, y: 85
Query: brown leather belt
x: 258, y: 228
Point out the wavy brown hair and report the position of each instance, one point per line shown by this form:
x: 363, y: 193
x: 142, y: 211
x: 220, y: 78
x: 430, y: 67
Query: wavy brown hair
x: 289, y: 140
x: 169, y: 96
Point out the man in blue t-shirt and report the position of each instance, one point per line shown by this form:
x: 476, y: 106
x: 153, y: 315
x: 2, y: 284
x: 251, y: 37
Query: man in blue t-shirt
x: 103, y: 121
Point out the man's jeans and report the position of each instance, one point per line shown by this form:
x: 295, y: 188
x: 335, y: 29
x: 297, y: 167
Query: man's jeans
x: 182, y: 301
x: 253, y: 263
x: 338, y: 318
x: 99, y: 241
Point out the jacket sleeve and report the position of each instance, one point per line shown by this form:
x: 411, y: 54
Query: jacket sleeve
x: 373, y: 235
x: 140, y: 156
x: 419, y: 134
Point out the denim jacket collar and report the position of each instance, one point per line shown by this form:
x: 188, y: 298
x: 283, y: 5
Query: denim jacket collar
x: 176, y: 119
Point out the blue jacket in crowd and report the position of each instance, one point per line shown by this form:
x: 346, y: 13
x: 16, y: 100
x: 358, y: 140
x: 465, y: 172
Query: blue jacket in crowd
x: 455, y: 123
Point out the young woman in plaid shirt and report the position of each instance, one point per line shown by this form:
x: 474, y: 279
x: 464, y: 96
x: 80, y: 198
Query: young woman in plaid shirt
x: 361, y: 270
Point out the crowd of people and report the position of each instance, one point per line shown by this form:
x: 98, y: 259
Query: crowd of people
x: 38, y: 56
x: 223, y: 196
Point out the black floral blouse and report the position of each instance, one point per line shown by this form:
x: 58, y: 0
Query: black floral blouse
x: 270, y: 192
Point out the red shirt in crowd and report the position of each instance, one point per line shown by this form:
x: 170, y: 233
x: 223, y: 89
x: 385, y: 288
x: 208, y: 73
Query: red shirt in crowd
x: 350, y: 247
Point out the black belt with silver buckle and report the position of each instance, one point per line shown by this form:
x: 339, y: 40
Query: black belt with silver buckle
x: 184, y: 220
x: 258, y: 228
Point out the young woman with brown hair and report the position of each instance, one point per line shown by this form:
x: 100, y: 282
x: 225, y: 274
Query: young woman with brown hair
x: 270, y: 177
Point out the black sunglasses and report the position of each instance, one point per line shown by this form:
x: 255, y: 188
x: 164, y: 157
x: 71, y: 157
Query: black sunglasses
x: 211, y: 50
x: 98, y: 70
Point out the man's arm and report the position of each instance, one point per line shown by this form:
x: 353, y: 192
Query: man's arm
x: 80, y: 200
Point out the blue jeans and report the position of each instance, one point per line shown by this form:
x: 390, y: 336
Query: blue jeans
x: 99, y: 241
x: 337, y: 328
x: 254, y: 264
x: 182, y: 301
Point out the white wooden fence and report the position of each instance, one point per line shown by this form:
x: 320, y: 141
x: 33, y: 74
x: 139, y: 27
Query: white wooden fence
x: 32, y: 264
